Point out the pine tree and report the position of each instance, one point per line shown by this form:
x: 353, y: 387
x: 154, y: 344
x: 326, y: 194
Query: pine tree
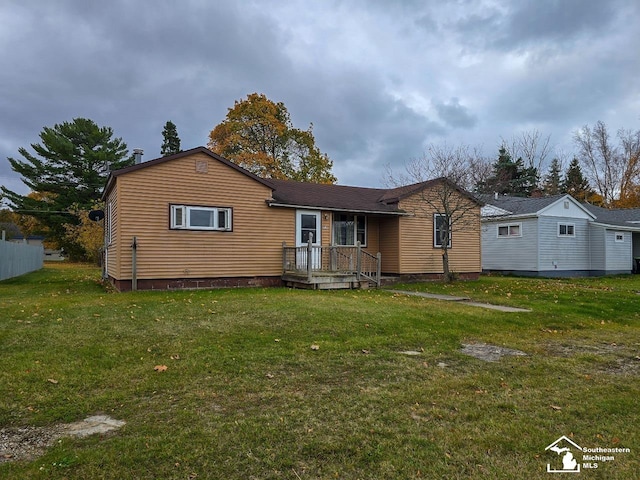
x: 553, y: 180
x: 171, y: 140
x: 68, y: 171
x: 510, y: 177
x: 574, y: 183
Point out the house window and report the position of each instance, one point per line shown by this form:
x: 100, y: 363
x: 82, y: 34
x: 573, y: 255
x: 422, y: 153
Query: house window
x: 349, y: 229
x: 510, y: 230
x: 620, y: 237
x: 440, y: 230
x: 184, y: 217
x: 566, y: 230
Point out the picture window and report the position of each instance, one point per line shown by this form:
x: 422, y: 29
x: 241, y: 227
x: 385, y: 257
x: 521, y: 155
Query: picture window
x: 185, y: 217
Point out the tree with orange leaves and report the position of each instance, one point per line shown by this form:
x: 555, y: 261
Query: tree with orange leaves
x: 258, y: 135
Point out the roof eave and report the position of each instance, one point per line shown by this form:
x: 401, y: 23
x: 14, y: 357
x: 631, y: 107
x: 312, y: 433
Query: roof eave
x: 337, y: 209
x: 611, y: 226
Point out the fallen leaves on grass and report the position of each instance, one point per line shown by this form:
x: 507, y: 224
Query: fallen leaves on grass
x: 160, y: 368
x: 555, y: 407
x: 315, y: 347
x: 52, y: 380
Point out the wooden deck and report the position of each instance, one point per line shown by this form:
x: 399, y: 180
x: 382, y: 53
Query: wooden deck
x: 332, y: 267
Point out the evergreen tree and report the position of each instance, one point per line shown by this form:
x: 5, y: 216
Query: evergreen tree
x: 574, y: 183
x: 510, y: 177
x: 68, y: 170
x: 171, y: 140
x: 553, y: 180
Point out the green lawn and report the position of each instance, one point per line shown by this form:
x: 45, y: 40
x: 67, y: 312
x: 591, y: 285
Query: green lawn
x: 244, y: 395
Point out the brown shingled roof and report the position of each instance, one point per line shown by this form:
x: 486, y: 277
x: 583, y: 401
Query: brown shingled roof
x: 331, y: 197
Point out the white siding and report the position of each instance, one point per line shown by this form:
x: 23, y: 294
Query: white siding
x: 560, y: 252
x: 565, y: 207
x: 596, y: 238
x: 510, y: 253
x: 618, y: 254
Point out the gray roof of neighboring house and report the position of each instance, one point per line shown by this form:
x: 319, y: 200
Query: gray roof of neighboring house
x: 518, y: 205
x: 623, y: 217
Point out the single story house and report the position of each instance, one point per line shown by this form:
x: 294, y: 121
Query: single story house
x: 557, y: 236
x: 197, y: 220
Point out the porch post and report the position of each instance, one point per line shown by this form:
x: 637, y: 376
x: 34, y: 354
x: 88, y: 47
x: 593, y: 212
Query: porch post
x: 309, y: 256
x: 332, y: 258
x: 134, y: 266
x: 378, y: 268
x: 358, y: 260
x: 284, y: 257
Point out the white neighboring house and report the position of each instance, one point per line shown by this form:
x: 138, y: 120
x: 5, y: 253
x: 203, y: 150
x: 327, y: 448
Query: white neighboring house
x: 557, y: 236
x: 50, y: 255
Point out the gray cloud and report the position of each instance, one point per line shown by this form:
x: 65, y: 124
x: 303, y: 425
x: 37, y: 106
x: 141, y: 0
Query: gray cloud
x: 454, y: 114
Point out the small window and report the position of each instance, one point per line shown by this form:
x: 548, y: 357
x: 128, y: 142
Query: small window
x: 200, y: 218
x: 566, y: 230
x: 441, y: 231
x: 511, y: 230
x: 620, y: 237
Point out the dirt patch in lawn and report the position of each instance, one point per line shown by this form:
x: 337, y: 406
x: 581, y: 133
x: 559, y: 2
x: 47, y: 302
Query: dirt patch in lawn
x: 615, y: 358
x: 26, y: 443
x: 489, y: 353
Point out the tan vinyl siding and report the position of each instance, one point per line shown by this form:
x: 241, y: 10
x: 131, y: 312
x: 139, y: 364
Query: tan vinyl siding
x: 389, y: 244
x: 252, y: 248
x: 417, y: 253
x: 373, y: 235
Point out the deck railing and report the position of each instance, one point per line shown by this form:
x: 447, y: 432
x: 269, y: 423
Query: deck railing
x: 310, y: 259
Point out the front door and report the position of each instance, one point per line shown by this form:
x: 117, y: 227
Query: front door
x: 308, y: 225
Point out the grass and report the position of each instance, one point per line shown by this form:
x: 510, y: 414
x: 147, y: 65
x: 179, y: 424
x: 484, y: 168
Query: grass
x: 244, y: 396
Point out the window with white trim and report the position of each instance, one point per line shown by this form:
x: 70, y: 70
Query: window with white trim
x: 619, y: 237
x: 510, y: 230
x: 186, y: 217
x: 566, y: 230
x: 440, y: 230
x: 349, y: 229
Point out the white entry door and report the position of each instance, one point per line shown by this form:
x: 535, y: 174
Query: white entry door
x: 308, y: 223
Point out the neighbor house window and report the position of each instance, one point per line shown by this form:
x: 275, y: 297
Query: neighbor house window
x: 510, y: 230
x: 566, y: 230
x: 440, y: 229
x: 349, y: 229
x: 620, y: 237
x: 200, y: 218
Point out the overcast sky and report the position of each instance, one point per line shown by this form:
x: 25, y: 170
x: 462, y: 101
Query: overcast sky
x: 379, y: 79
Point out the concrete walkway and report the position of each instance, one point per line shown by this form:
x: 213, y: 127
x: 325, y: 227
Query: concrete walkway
x: 465, y: 300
